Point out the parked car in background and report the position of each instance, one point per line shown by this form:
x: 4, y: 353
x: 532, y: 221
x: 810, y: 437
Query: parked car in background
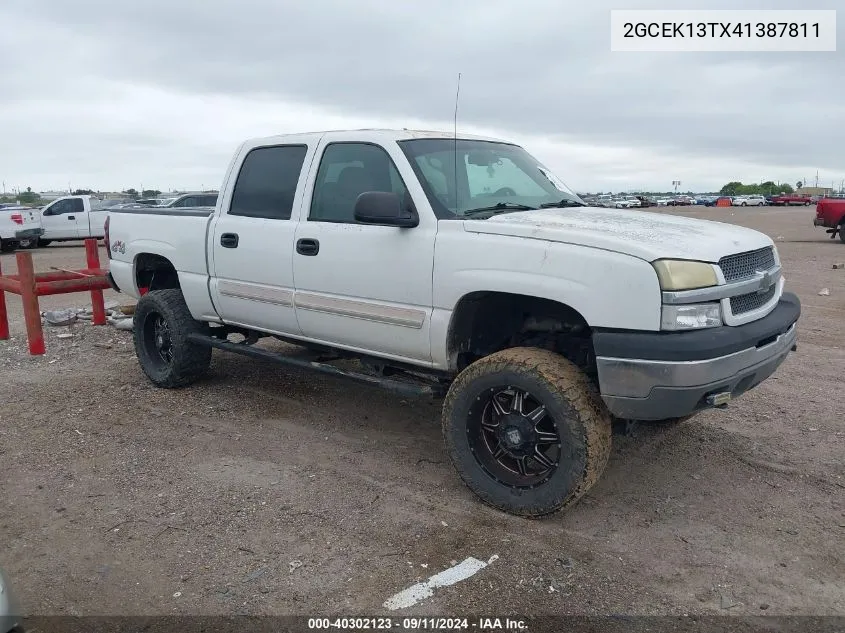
x: 192, y: 200
x: 646, y: 202
x: 20, y: 226
x: 681, y: 201
x: 749, y: 201
x: 791, y: 199
x: 704, y: 200
x: 830, y: 213
x: 71, y: 218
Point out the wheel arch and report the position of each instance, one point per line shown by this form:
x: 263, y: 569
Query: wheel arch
x: 154, y: 272
x: 484, y: 322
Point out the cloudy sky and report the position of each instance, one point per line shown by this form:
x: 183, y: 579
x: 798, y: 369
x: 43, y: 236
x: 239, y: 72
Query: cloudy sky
x: 111, y: 94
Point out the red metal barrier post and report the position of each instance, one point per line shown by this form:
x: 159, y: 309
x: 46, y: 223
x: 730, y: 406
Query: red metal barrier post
x: 98, y: 306
x: 4, y: 316
x: 29, y: 297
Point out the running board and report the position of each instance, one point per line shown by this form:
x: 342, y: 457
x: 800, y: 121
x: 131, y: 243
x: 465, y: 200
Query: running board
x: 398, y: 386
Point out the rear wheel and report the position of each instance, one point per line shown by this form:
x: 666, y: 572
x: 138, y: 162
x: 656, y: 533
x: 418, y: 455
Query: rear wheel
x: 526, y: 430
x: 162, y: 323
x: 28, y: 242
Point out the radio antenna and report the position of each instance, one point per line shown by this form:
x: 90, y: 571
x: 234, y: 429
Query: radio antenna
x: 457, y: 96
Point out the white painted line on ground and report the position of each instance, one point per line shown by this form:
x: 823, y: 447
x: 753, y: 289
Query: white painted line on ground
x: 414, y: 594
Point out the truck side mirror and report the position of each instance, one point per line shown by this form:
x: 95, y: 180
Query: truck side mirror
x: 385, y: 208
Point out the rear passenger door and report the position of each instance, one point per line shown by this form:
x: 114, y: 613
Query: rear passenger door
x: 252, y: 239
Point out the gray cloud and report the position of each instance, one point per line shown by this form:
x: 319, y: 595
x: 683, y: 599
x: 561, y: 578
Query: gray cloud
x: 540, y: 68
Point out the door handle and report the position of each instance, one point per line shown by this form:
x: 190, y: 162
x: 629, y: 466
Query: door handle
x: 307, y: 246
x: 229, y: 240
x: 71, y: 217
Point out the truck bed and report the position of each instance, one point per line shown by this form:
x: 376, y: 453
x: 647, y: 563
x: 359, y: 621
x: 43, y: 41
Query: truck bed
x: 179, y: 229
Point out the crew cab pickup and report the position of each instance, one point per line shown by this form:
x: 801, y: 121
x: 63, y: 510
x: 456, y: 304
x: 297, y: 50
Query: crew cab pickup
x: 791, y: 199
x: 18, y: 224
x: 830, y: 213
x: 72, y: 218
x: 459, y: 266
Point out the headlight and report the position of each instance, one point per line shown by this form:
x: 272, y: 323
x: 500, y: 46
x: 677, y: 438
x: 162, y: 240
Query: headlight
x: 691, y: 316
x: 681, y: 274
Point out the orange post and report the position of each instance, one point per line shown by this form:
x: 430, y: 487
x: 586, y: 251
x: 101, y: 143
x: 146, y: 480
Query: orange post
x: 4, y: 316
x: 29, y: 298
x: 98, y: 306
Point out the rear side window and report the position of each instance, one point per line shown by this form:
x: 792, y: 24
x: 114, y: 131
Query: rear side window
x: 76, y: 205
x: 267, y: 182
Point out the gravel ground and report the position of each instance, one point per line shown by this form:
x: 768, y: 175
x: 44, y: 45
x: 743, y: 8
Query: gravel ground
x: 265, y: 490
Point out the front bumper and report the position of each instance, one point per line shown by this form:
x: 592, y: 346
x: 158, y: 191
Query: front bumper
x: 656, y: 376
x: 27, y: 233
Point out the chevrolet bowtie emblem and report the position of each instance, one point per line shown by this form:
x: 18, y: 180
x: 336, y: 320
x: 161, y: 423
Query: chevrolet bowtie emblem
x: 766, y: 281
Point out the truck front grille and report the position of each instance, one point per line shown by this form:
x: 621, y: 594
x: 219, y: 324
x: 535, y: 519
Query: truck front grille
x: 744, y: 265
x: 752, y: 301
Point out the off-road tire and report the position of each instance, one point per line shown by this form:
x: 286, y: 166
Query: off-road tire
x: 582, y: 420
x: 189, y: 361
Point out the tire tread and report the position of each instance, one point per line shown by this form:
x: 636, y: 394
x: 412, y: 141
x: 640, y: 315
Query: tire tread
x: 571, y: 387
x: 191, y: 361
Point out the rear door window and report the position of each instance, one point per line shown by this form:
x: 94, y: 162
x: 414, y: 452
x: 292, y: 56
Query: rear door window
x: 267, y: 182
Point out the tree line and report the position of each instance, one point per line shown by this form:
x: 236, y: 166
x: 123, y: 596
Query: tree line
x: 767, y: 188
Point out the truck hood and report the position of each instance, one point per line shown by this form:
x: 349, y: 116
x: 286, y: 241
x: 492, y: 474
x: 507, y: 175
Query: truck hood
x: 649, y: 236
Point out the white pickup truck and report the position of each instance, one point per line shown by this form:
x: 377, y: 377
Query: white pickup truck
x: 461, y: 266
x: 18, y: 225
x: 71, y: 218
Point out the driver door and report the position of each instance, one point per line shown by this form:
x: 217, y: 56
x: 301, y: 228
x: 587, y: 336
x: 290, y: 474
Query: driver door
x: 59, y: 219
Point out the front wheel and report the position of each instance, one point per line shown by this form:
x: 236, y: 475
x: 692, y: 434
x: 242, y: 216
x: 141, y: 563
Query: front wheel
x: 744, y: 204
x: 526, y: 430
x: 162, y: 323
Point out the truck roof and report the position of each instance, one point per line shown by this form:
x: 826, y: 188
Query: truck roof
x: 373, y: 134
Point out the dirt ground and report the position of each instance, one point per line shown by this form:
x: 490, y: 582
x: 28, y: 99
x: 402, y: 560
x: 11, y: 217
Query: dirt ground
x: 265, y: 490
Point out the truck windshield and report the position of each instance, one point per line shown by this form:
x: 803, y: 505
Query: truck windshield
x: 464, y: 177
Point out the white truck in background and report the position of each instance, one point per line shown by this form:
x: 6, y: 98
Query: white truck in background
x: 19, y: 225
x: 460, y: 266
x: 70, y: 218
